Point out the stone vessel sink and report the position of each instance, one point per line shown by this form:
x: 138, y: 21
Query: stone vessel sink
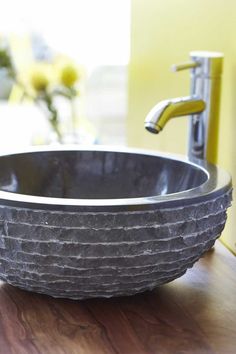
x: 84, y: 222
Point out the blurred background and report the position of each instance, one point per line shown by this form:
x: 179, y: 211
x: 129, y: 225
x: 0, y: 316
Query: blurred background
x: 89, y: 71
x: 94, y: 38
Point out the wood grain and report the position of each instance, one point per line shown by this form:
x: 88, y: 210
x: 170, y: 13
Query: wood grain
x: 194, y: 314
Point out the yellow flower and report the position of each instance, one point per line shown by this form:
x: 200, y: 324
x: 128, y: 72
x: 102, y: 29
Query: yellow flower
x: 39, y: 81
x: 39, y: 76
x: 68, y: 75
x: 67, y: 71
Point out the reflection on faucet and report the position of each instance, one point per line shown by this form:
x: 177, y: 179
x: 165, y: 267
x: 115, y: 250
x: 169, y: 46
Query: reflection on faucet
x: 202, y: 105
x: 176, y: 107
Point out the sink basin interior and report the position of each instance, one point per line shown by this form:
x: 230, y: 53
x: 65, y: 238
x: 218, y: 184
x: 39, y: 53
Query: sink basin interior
x: 96, y: 174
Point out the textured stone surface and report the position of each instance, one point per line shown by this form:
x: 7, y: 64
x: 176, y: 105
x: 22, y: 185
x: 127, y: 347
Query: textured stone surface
x: 84, y: 254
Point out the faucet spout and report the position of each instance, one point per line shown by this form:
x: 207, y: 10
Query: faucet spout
x: 167, y: 109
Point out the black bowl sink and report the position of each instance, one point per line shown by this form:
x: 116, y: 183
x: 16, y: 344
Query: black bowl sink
x: 91, y: 222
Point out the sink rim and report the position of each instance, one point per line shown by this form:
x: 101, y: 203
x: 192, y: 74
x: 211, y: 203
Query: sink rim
x: 218, y: 182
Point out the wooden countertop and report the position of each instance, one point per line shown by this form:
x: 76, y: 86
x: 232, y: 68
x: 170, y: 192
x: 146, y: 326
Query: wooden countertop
x: 195, y: 314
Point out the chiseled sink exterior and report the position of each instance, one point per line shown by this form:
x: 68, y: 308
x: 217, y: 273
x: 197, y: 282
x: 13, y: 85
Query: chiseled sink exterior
x: 81, y: 223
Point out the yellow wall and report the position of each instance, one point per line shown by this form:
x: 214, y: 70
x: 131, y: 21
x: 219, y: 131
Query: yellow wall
x: 164, y: 32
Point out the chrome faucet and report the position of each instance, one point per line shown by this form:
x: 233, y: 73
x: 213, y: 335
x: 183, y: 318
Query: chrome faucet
x: 202, y: 105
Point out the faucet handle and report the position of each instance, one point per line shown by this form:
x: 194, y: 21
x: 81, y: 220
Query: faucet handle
x: 210, y: 63
x: 186, y: 65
